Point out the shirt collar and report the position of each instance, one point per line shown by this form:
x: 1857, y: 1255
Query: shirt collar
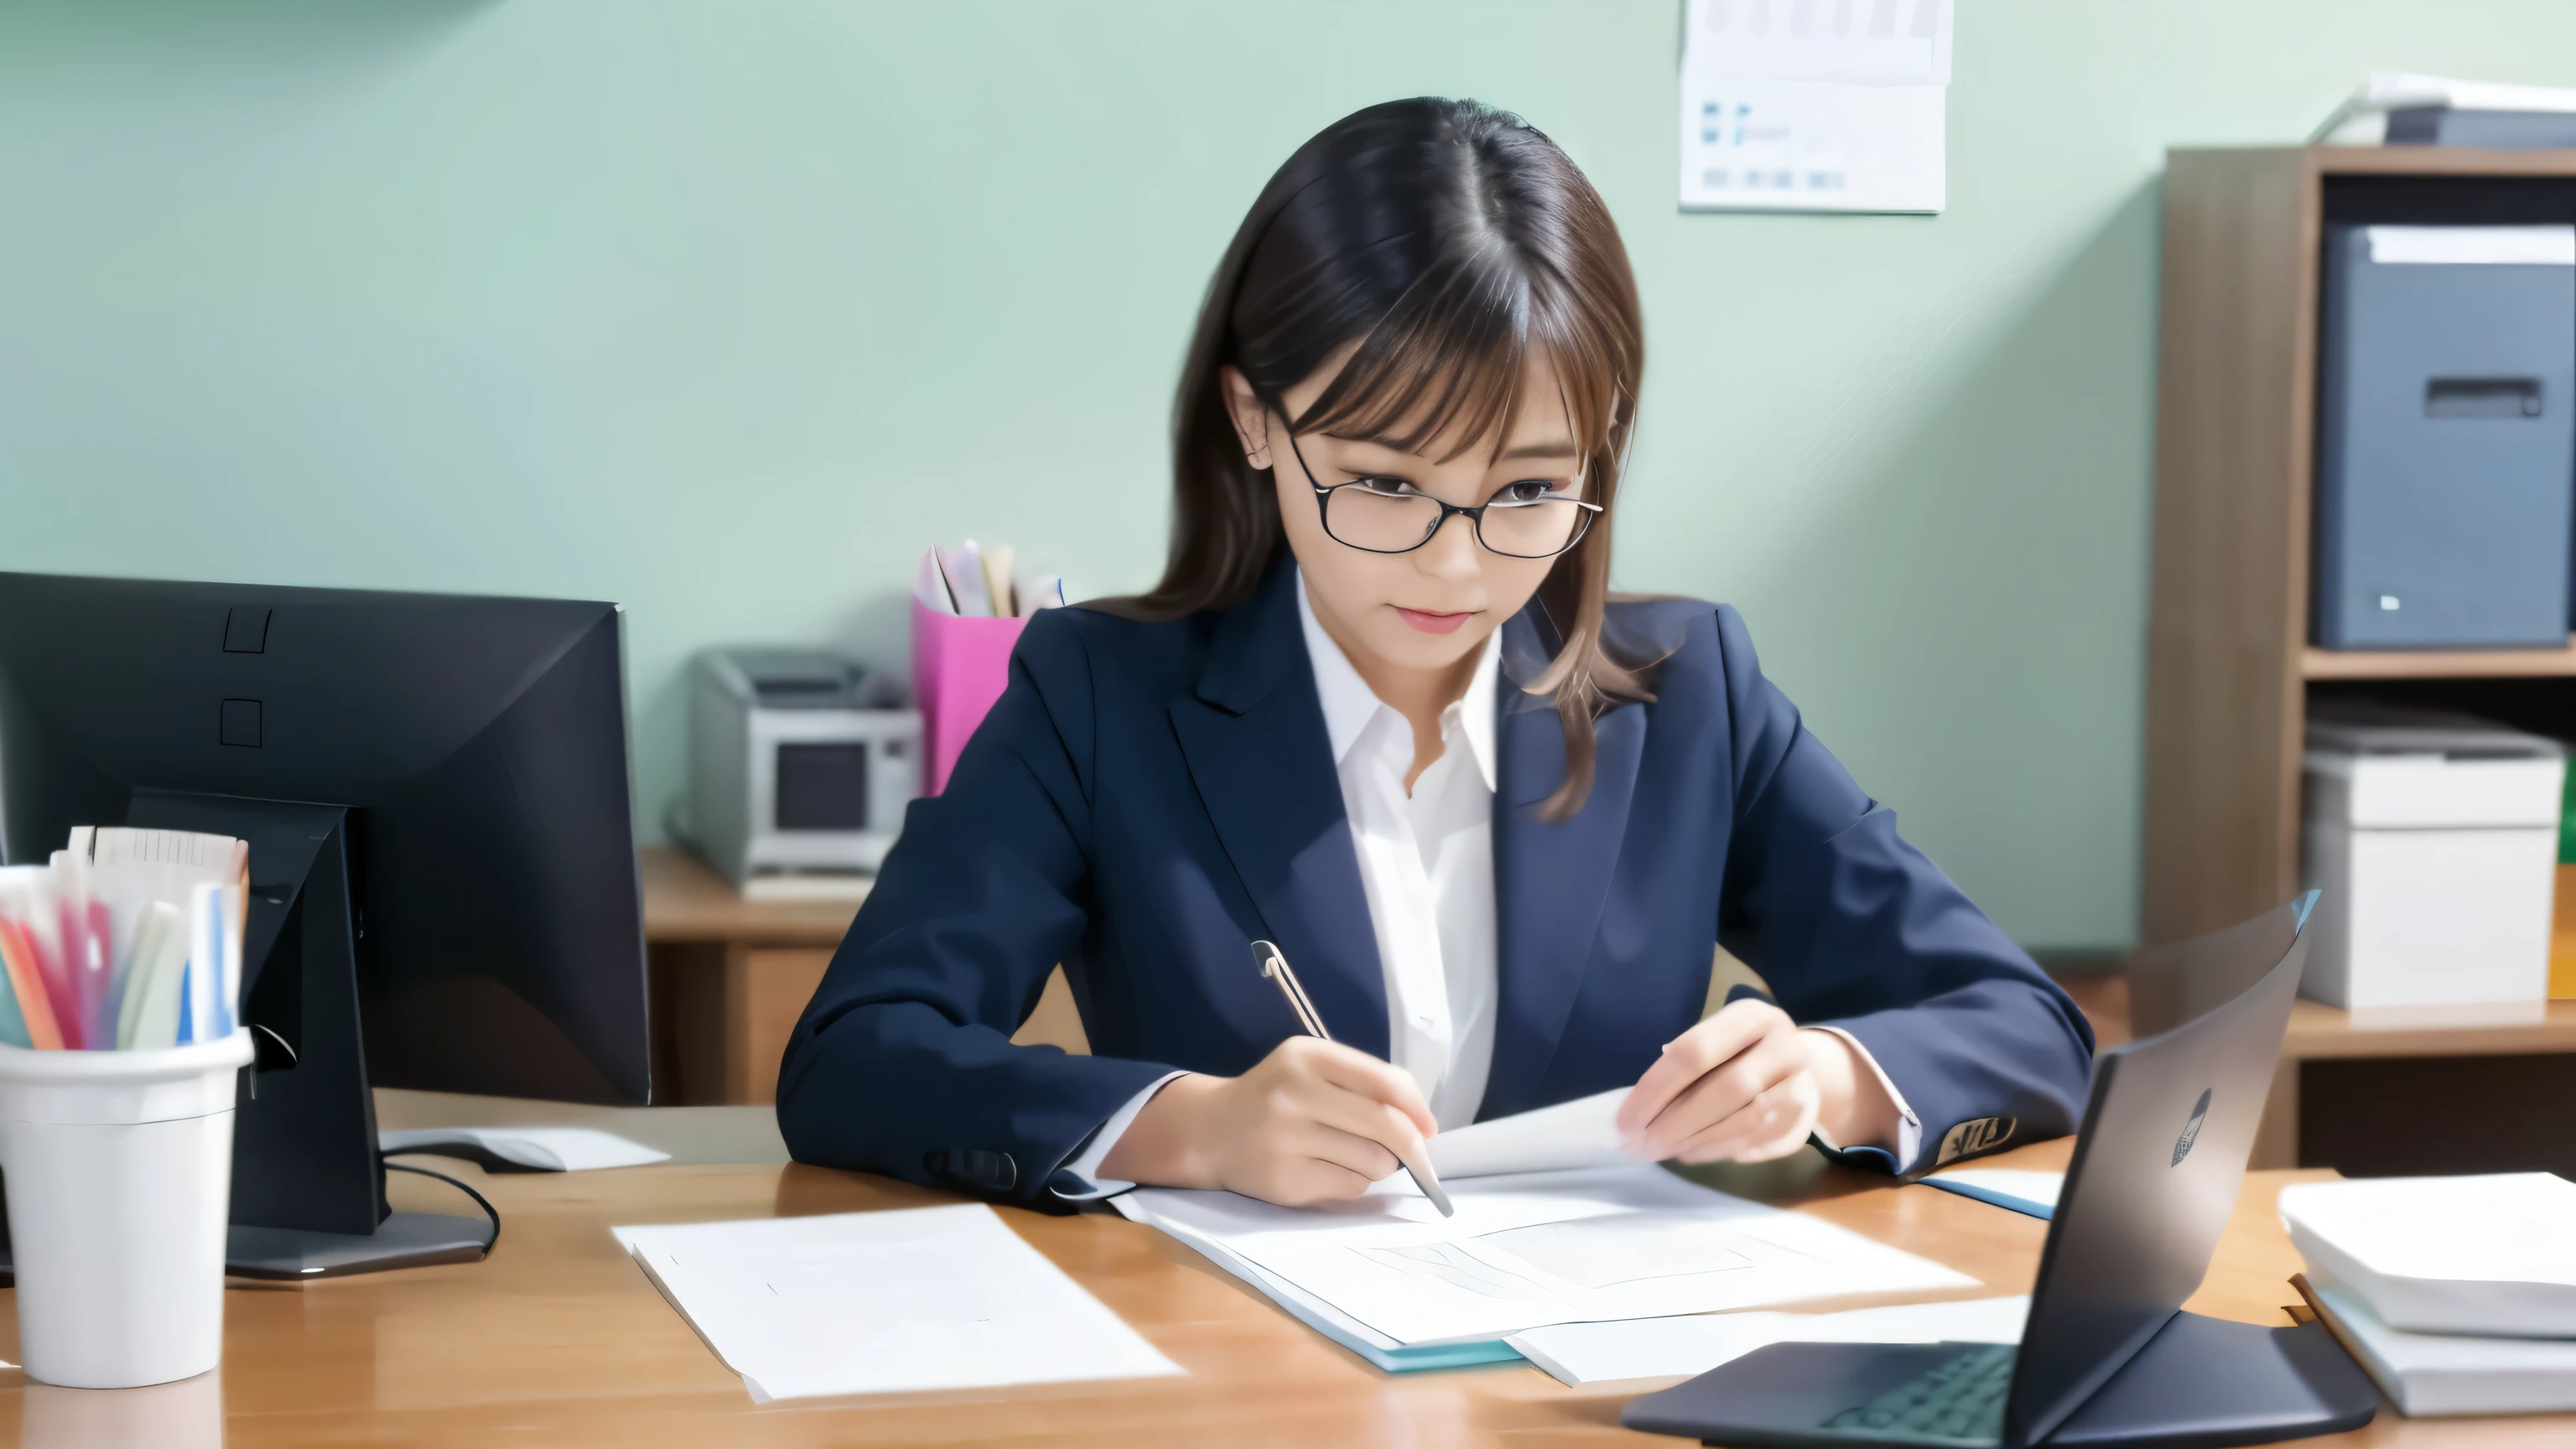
x: 1349, y: 704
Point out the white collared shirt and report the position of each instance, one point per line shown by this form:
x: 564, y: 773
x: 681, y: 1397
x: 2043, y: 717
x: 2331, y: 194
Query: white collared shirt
x: 1427, y: 865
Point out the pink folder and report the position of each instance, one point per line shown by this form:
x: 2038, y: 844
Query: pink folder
x: 959, y: 665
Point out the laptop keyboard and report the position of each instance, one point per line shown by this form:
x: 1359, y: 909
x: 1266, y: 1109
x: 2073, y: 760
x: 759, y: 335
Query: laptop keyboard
x: 1962, y: 1400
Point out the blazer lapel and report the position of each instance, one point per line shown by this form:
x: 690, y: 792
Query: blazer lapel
x: 1550, y: 880
x: 1254, y: 739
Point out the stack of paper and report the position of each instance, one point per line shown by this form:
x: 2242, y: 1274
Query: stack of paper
x: 2433, y: 1374
x: 1387, y: 1277
x: 866, y: 1303
x: 2457, y: 1293
x: 2478, y: 1255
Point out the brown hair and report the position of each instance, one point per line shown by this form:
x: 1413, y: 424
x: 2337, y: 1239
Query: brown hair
x: 1447, y: 239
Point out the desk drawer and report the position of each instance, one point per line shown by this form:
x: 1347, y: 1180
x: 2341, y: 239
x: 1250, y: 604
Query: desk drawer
x: 765, y: 991
x: 724, y: 1013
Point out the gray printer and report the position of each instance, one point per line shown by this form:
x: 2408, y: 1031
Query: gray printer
x: 2446, y: 437
x: 800, y: 765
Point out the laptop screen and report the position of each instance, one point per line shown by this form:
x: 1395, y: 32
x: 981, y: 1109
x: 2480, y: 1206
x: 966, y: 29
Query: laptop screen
x: 2157, y: 1165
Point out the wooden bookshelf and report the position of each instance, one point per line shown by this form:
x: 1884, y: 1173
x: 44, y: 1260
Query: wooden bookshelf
x: 2230, y: 670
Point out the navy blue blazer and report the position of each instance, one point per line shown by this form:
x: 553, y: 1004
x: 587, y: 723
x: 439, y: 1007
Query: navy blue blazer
x: 1145, y: 799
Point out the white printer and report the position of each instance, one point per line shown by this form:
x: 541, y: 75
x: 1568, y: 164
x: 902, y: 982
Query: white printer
x: 2434, y: 838
x: 800, y: 765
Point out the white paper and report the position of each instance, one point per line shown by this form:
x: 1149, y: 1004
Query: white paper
x: 2517, y: 1227
x: 930, y: 586
x: 886, y: 1302
x: 2395, y: 89
x: 1573, y: 1134
x: 2431, y: 1374
x: 1814, y: 105
x: 547, y: 1149
x: 2491, y: 1254
x: 1536, y: 1249
x: 2510, y: 246
x: 1659, y: 1348
x: 1302, y: 1305
x: 2033, y: 1187
x: 963, y: 567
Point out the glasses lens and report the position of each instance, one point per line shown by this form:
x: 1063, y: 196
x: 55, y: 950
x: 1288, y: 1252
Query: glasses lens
x: 1379, y: 522
x: 1533, y: 530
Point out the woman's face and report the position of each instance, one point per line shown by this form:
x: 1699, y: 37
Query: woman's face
x: 1427, y: 609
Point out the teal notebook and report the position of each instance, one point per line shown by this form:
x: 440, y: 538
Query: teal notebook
x: 2017, y: 1203
x: 1359, y: 1338
x: 1397, y: 1359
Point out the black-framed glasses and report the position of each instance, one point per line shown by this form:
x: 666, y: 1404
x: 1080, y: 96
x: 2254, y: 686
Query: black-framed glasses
x: 1361, y: 515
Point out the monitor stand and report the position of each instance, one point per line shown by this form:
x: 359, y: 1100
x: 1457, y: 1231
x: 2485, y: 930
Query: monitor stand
x: 308, y: 1193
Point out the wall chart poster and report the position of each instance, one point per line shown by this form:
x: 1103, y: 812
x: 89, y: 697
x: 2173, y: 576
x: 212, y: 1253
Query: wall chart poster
x: 1814, y: 105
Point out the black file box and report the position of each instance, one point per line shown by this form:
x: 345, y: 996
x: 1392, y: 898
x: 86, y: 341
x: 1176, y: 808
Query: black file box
x: 2446, y: 438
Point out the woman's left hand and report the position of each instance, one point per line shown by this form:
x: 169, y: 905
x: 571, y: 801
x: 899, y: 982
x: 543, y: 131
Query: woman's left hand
x: 1746, y: 1085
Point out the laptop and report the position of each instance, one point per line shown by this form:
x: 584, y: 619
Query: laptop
x: 2107, y: 1357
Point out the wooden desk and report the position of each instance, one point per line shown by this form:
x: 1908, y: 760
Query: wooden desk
x: 558, y: 1338
x: 730, y: 977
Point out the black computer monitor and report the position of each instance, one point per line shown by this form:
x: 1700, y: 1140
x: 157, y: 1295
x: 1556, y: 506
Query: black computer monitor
x: 439, y: 807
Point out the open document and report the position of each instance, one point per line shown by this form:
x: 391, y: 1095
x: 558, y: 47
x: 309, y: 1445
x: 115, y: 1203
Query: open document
x: 1580, y: 1133
x: 885, y: 1302
x: 1388, y: 1276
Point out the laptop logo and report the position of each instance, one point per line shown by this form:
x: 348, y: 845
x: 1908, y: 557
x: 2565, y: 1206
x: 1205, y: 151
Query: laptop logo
x: 2191, y: 1129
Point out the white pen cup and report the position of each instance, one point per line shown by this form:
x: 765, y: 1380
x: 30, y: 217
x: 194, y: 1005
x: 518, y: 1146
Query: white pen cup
x: 119, y: 1169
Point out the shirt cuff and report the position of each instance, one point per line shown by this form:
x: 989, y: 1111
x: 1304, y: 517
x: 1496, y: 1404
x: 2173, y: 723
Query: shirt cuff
x: 1080, y: 1179
x: 1909, y: 1128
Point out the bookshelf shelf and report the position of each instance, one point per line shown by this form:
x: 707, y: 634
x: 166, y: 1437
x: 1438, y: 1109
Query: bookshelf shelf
x: 2315, y: 663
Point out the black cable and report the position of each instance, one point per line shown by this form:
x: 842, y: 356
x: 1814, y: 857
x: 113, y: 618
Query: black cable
x: 479, y: 1199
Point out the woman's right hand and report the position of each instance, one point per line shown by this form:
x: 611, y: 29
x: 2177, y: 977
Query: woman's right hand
x: 1315, y: 1121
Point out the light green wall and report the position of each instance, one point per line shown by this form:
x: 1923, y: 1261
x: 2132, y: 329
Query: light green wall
x: 724, y: 309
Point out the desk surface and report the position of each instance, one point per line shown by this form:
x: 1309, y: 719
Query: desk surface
x: 685, y: 901
x: 558, y: 1338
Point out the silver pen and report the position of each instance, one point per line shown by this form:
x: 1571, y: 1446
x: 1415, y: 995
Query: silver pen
x: 1274, y: 964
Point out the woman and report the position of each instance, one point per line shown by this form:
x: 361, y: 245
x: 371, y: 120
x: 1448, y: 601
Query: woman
x: 1381, y: 711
